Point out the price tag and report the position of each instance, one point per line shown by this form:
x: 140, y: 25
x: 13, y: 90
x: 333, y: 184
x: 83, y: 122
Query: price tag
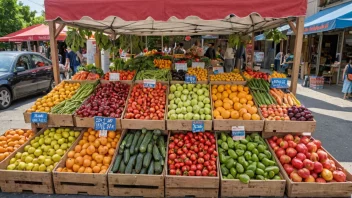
x: 39, y: 117
x: 181, y: 66
x: 114, y: 76
x: 102, y: 123
x: 197, y: 126
x: 190, y: 79
x: 103, y: 133
x: 198, y: 64
x: 149, y: 83
x: 279, y: 83
x: 218, y: 70
x: 238, y: 133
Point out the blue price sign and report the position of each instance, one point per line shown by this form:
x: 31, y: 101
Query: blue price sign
x: 190, y: 79
x: 238, y: 133
x: 149, y: 83
x: 39, y: 117
x: 279, y: 83
x: 197, y: 126
x: 101, y: 123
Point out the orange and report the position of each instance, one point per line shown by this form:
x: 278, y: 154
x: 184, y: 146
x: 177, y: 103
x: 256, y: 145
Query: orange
x: 83, y: 152
x: 90, y: 150
x: 70, y: 154
x: 225, y: 95
x: 216, y: 113
x: 79, y: 160
x: 249, y: 97
x: 111, y: 134
x: 103, y: 150
x: 87, y: 157
x: 225, y: 114
x: 94, y: 155
x: 85, y: 146
x: 91, y: 138
x: 233, y: 87
x: 243, y: 100
x: 76, y: 155
x: 250, y: 103
x: 214, y: 97
x: 218, y: 117
x: 99, y: 159
x: 111, y: 151
x: 103, y: 141
x: 232, y: 95
x: 227, y: 106
x: 2, y: 157
x: 242, y: 111
x: 235, y: 99
x: 219, y: 96
x: 69, y: 163
x: 255, y: 117
x: 214, y: 91
x: 245, y: 89
x: 221, y: 88
x: 220, y: 109
x: 240, y: 88
x: 59, y: 169
x: 75, y: 167
x: 106, y: 160
x: 93, y: 163
x: 252, y: 110
x: 235, y: 115
x: 81, y: 169
x: 96, y: 169
x: 227, y: 86
x: 246, y: 116
x: 96, y: 143
x: 241, y: 95
x: 218, y: 103
x: 237, y: 106
x: 102, y: 171
x: 86, y: 163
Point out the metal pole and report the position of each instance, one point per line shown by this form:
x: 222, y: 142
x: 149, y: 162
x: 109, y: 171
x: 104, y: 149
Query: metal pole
x: 340, y: 57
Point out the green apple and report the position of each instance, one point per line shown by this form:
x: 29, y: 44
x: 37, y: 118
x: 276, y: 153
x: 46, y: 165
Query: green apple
x: 196, y: 116
x: 27, y: 147
x: 53, y: 143
x: 201, y: 98
x: 56, y: 158
x: 51, y: 152
x: 67, y: 129
x: 46, y: 132
x: 61, y: 141
x: 57, y: 136
x: 12, y: 160
x: 38, y: 152
x: 41, y: 136
x: 32, y: 142
x: 51, y: 135
x: 42, y: 168
x: 60, y: 152
x: 72, y: 133
x: 194, y: 102
x: 180, y: 116
x: 32, y: 155
x: 184, y: 110
x: 41, y: 159
x: 35, y: 161
x: 207, y: 106
x: 41, y: 141
x: 28, y: 159
x: 208, y: 117
x: 196, y: 109
x: 49, y: 168
x: 77, y: 133
x: 69, y: 144
x: 52, y: 129
x: 48, y: 162
x: 46, y: 148
x: 31, y: 150
x: 201, y: 104
x: 35, y: 167
x: 11, y: 167
x: 71, y: 139
x: 19, y: 154
x: 202, y: 117
x: 47, y: 141
x: 35, y: 145
x: 58, y: 131
x: 29, y: 166
x: 36, y: 139
x: 57, y: 146
x: 24, y: 155
x: 65, y: 134
x: 21, y: 166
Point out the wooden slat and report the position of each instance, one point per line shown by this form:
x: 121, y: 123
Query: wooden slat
x: 54, y: 52
x: 297, y: 53
x: 289, y: 126
x: 59, y: 29
x: 293, y: 27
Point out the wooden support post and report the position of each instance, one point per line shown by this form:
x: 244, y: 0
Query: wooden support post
x: 97, y: 57
x: 58, y: 30
x: 54, y: 52
x: 281, y: 45
x: 293, y: 27
x: 297, y: 54
x: 340, y: 57
x: 319, y: 54
x: 252, y: 59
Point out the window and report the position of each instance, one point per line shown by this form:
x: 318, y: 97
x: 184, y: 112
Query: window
x: 23, y: 61
x: 6, y: 61
x: 39, y: 61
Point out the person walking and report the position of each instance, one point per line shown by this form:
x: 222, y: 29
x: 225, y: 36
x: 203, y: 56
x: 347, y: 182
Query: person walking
x: 229, y: 59
x: 278, y: 61
x: 72, y: 60
x: 179, y: 49
x: 347, y: 83
x: 210, y: 53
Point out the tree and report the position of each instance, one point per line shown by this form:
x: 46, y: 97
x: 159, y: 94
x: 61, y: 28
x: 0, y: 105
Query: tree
x: 10, y: 19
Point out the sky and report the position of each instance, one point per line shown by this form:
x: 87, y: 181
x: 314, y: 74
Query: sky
x: 37, y: 5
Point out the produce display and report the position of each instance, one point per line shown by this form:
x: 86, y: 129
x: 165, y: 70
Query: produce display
x: 146, y: 103
x: 189, y: 102
x: 70, y: 105
x: 178, y: 75
x: 284, y: 99
x: 88, y: 72
x: 226, y: 77
x: 192, y: 154
x: 249, y: 74
x: 276, y: 74
x: 304, y: 160
x: 108, y: 100
x: 200, y: 73
x: 139, y: 63
x: 60, y: 93
x: 44, y: 151
x: 159, y: 74
x: 93, y: 154
x: 124, y: 75
x: 233, y: 102
x: 246, y: 159
x: 12, y: 139
x: 260, y: 90
x: 162, y: 63
x: 141, y: 152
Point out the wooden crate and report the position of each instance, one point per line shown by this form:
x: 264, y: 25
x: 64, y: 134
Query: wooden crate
x: 305, y: 189
x: 226, y: 82
x: 89, y: 122
x: 235, y: 188
x: 177, y: 125
x: 80, y: 183
x: 148, y: 124
x: 136, y: 185
x: 289, y: 126
x: 25, y: 181
x: 195, y: 186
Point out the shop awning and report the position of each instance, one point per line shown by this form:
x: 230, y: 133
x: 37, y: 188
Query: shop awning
x: 332, y: 18
x: 7, y: 37
x: 170, y: 17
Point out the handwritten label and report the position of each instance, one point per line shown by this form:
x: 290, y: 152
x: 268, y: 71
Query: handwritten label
x: 181, y: 66
x: 102, y: 123
x: 197, y: 126
x: 198, y: 64
x: 103, y: 133
x: 114, y: 76
x: 39, y: 117
x: 190, y: 79
x: 149, y: 83
x: 218, y: 70
x: 238, y: 133
x: 278, y: 83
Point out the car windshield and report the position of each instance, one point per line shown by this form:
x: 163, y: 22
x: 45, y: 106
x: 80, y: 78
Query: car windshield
x: 6, y: 61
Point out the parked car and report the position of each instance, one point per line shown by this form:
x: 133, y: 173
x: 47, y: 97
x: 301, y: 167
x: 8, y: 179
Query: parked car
x: 23, y: 74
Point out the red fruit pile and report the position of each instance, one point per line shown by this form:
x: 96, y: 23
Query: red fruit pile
x: 304, y: 160
x: 108, y: 100
x: 192, y: 154
x: 124, y: 75
x: 274, y: 112
x: 147, y: 103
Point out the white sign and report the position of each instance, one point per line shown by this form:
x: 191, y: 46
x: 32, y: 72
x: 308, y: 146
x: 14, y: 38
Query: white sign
x: 198, y: 64
x: 218, y: 70
x: 238, y: 133
x: 181, y: 66
x: 149, y: 83
x: 103, y: 133
x: 91, y: 49
x: 114, y: 76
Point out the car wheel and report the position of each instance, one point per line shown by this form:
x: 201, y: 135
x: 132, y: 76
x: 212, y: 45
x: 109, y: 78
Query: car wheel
x: 5, y: 98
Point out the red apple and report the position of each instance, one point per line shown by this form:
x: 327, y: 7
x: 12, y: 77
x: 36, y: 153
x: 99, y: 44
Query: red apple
x: 285, y: 159
x: 312, y: 148
x: 304, y: 173
x: 279, y: 152
x: 275, y: 148
x: 318, y: 167
x: 292, y: 144
x: 278, y: 141
x: 274, y: 138
x: 295, y: 177
x: 329, y: 164
x: 297, y: 163
x: 301, y: 156
x: 273, y: 144
x: 270, y: 141
x: 314, y: 175
x: 323, y: 156
x: 318, y: 143
x: 304, y: 140
x: 308, y: 164
x: 297, y: 139
x: 288, y: 168
x: 284, y: 144
x: 314, y: 157
x: 301, y: 148
x: 291, y: 152
x: 308, y: 155
x: 288, y: 137
x: 339, y: 176
x: 320, y: 180
x: 310, y: 178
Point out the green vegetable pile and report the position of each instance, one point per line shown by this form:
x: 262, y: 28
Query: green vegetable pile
x: 260, y: 91
x: 69, y: 106
x: 246, y: 159
x: 160, y: 74
x: 140, y: 62
x: 141, y: 152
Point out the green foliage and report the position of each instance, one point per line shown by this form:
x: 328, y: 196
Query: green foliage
x: 275, y: 35
x: 236, y: 40
x: 137, y: 43
x: 76, y: 38
x: 91, y: 68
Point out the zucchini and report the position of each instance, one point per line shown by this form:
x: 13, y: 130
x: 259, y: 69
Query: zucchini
x: 146, y: 160
x: 150, y: 147
x: 134, y: 142
x: 145, y: 142
x: 156, y: 153
x: 123, y: 144
x: 122, y: 167
x: 157, y: 167
x: 161, y: 145
x: 143, y: 171
x: 118, y: 159
x: 162, y: 161
x: 130, y: 164
x: 140, y: 139
x: 139, y: 162
x: 144, y: 130
x: 157, y: 132
x: 151, y: 168
x: 126, y: 156
x: 129, y: 140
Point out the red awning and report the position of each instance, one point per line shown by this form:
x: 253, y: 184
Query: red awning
x: 38, y: 32
x: 163, y: 10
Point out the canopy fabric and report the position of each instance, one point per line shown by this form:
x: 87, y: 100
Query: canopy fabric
x: 332, y: 18
x: 170, y: 17
x: 38, y: 32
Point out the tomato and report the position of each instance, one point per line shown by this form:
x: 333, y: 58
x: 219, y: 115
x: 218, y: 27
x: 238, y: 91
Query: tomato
x: 188, y: 162
x: 193, y: 167
x: 205, y: 172
x: 172, y: 156
x: 172, y: 166
x: 215, y: 153
x: 200, y: 154
x: 210, y: 168
x: 170, y: 162
x: 207, y: 163
x: 211, y: 163
x: 193, y: 157
x: 178, y: 172
x: 185, y: 168
x: 191, y: 173
x: 179, y: 152
x: 210, y: 151
x: 212, y: 173
x: 199, y: 166
x: 200, y: 160
x: 206, y: 157
x: 180, y: 144
x: 198, y: 173
x: 172, y: 172
x: 188, y: 145
x: 177, y: 165
x: 183, y: 156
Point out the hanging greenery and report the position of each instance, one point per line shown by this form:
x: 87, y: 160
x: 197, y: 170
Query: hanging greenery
x: 77, y: 37
x: 137, y: 43
x: 275, y: 35
x: 236, y: 39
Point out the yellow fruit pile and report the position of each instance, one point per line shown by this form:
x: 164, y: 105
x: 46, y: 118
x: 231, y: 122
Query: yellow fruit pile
x: 162, y: 64
x: 235, y: 70
x: 200, y: 73
x: 60, y: 93
x: 93, y: 154
x: 226, y: 77
x: 246, y: 75
x: 233, y: 102
x: 276, y: 74
x: 12, y: 140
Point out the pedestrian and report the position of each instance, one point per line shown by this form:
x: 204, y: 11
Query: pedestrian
x: 278, y: 61
x: 72, y: 60
x: 179, y: 49
x: 210, y: 53
x: 287, y: 60
x: 196, y: 50
x: 229, y: 59
x: 347, y: 83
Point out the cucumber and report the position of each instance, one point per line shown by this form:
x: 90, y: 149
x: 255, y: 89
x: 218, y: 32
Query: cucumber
x: 134, y: 142
x: 161, y: 145
x: 157, y: 167
x: 122, y: 167
x: 146, y: 160
x: 140, y: 139
x: 139, y: 162
x: 162, y: 161
x: 118, y: 159
x: 150, y: 147
x: 130, y: 164
x: 157, y: 132
x: 151, y: 168
x: 143, y: 171
x: 156, y: 153
x: 144, y: 130
x: 126, y: 156
x: 129, y: 140
x: 145, y: 142
x: 123, y: 144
